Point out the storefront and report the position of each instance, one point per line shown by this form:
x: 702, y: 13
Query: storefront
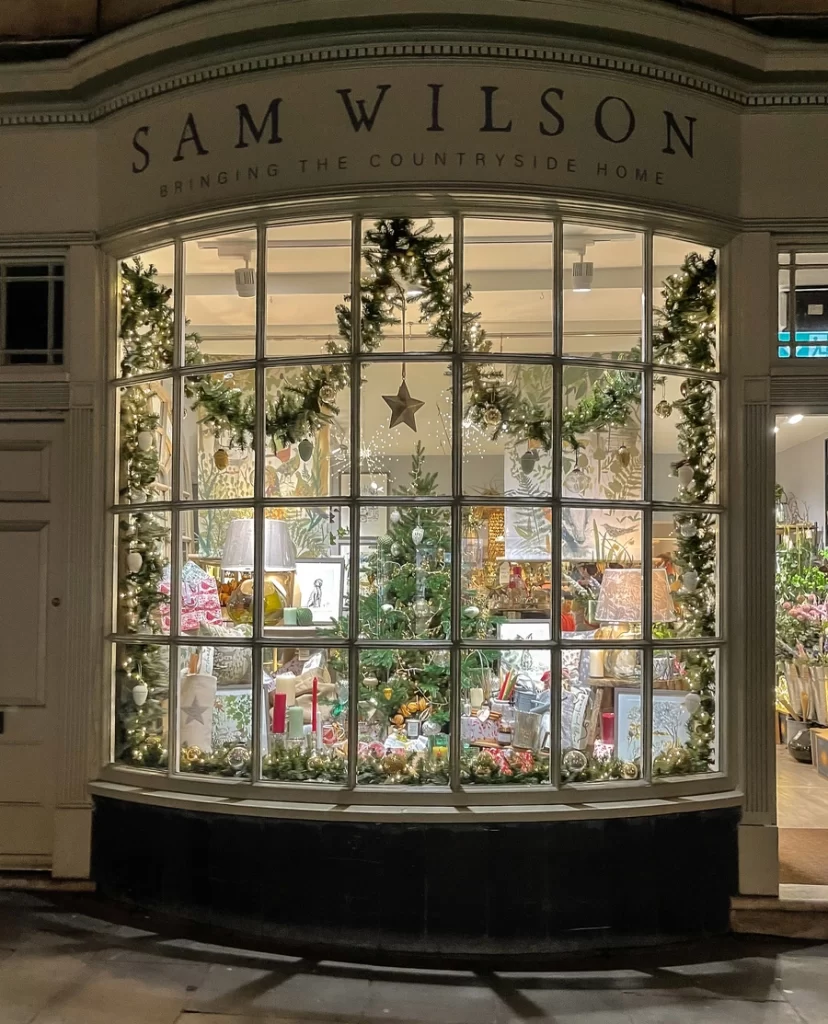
x: 409, y: 474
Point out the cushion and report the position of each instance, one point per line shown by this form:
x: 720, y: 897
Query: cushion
x: 232, y: 666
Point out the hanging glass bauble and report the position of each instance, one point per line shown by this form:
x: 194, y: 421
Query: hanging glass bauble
x: 396, y: 550
x: 371, y: 682
x: 395, y: 516
x: 417, y: 535
x: 305, y: 449
x: 431, y: 728
x: 492, y: 416
x: 221, y: 459
x: 624, y: 455
x: 685, y: 474
x: 688, y: 529
x: 692, y: 702
x: 576, y: 481
x: 421, y: 608
x: 139, y: 693
x: 134, y: 561
x: 472, y: 611
x: 690, y: 580
x: 327, y: 394
x: 144, y: 440
x: 663, y: 409
x: 529, y: 460
x: 440, y: 659
x: 387, y: 607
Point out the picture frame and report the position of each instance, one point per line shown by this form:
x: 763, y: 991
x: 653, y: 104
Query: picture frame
x: 321, y: 584
x: 373, y: 520
x: 670, y: 721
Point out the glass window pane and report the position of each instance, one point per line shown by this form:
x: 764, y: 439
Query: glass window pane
x: 305, y: 704
x: 403, y: 717
x: 685, y: 574
x: 407, y: 285
x: 685, y: 439
x: 57, y: 315
x: 27, y: 314
x: 220, y: 297
x: 215, y: 709
x: 601, y: 437
x: 684, y: 712
x: 603, y: 282
x: 144, y: 542
x: 406, y: 408
x: 601, y: 725
x: 685, y: 304
x: 507, y: 429
x: 508, y: 270
x: 308, y: 286
x: 307, y: 456
x: 505, y: 717
x: 217, y: 457
x: 145, y: 437
x: 146, y: 312
x: 142, y: 705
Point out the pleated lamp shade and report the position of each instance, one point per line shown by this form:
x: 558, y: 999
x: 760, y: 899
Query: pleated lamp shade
x: 238, y: 552
x: 620, y: 597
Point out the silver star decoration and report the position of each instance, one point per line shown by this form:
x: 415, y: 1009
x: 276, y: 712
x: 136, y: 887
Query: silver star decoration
x: 403, y: 407
x: 195, y: 712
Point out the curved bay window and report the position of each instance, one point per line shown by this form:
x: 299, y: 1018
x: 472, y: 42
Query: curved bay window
x: 382, y: 523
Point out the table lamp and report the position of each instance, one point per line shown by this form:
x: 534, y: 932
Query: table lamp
x: 619, y: 605
x: 279, y: 569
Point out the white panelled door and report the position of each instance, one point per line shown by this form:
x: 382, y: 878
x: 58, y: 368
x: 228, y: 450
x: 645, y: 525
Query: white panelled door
x: 33, y: 565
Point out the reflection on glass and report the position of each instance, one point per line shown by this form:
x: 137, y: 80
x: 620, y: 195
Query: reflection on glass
x: 601, y: 725
x: 142, y: 677
x: 405, y: 574
x: 507, y: 462
x: 305, y: 714
x: 508, y: 267
x: 145, y: 442
x: 144, y: 545
x: 308, y: 280
x: 684, y: 708
x: 407, y: 289
x: 406, y: 407
x: 685, y: 304
x: 403, y: 717
x: 215, y: 710
x: 306, y: 467
x: 685, y: 549
x: 505, y: 711
x: 220, y: 297
x: 684, y: 439
x: 217, y: 457
x: 603, y: 287
x: 601, y: 435
x: 145, y: 329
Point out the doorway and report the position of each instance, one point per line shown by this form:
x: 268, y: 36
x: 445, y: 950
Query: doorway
x: 33, y: 557
x: 802, y: 648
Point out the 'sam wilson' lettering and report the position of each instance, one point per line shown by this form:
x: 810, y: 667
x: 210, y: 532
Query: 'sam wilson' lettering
x: 613, y: 119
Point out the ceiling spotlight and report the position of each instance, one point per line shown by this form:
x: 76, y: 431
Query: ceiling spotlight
x: 582, y: 272
x: 246, y: 281
x: 796, y: 418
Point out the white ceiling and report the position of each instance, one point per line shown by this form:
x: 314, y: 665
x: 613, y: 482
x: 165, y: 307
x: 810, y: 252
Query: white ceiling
x: 791, y: 434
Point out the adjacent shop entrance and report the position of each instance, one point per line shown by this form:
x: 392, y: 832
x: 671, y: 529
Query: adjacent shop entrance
x: 33, y: 557
x: 802, y: 647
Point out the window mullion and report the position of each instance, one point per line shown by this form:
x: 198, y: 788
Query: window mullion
x: 455, y: 739
x: 353, y: 500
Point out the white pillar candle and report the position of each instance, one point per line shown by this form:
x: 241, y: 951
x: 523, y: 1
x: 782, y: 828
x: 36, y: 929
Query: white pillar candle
x: 287, y: 686
x: 596, y: 664
x: 476, y: 696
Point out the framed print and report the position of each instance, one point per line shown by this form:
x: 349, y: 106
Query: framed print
x: 373, y: 521
x: 320, y: 582
x: 670, y: 719
x: 527, y: 662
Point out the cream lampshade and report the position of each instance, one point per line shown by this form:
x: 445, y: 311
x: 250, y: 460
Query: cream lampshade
x: 620, y: 597
x: 279, y: 552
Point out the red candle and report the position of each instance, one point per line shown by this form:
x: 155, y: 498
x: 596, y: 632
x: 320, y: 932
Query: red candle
x: 608, y: 727
x: 279, y: 712
x: 315, y: 701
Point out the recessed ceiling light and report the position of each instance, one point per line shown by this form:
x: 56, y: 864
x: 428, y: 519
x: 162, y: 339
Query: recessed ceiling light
x: 796, y: 418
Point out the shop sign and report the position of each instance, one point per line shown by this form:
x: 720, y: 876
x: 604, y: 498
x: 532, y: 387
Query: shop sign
x: 303, y: 131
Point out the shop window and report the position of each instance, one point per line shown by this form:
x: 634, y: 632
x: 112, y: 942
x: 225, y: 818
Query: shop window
x: 468, y: 537
x: 803, y: 305
x: 31, y: 313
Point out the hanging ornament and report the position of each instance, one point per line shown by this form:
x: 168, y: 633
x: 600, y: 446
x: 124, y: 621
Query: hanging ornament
x: 134, y: 561
x: 492, y: 416
x: 396, y: 550
x: 690, y: 580
x: 387, y: 607
x: 472, y: 611
x: 576, y: 481
x: 139, y: 693
x: 664, y: 409
x: 221, y: 459
x: 529, y: 460
x: 144, y: 440
x: 403, y: 407
x: 305, y: 449
x: 624, y: 455
x: 685, y: 474
x: 431, y: 728
x: 371, y: 682
x: 395, y: 516
x: 327, y: 394
x: 692, y: 702
x: 688, y: 529
x: 387, y: 693
x: 417, y: 535
x: 421, y: 608
x: 440, y: 659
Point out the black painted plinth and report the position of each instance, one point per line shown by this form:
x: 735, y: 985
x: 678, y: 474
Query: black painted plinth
x: 460, y: 891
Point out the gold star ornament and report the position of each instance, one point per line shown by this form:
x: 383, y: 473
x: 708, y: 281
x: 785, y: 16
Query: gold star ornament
x: 403, y: 407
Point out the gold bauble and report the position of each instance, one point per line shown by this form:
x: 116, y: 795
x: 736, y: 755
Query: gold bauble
x: 387, y: 693
x: 393, y: 763
x: 189, y: 755
x: 628, y: 770
x: 221, y: 459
